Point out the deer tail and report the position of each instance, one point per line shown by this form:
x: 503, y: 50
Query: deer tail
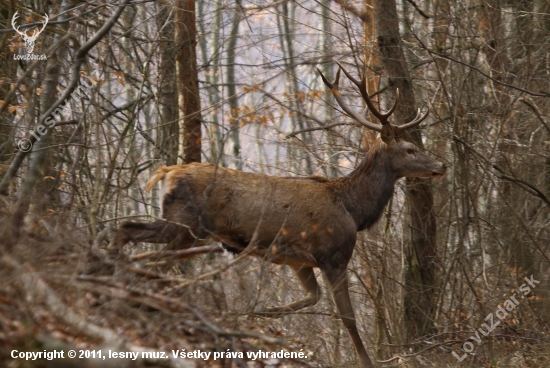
x: 157, y: 176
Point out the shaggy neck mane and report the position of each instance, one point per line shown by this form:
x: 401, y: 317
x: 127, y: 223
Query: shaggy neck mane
x: 367, y: 190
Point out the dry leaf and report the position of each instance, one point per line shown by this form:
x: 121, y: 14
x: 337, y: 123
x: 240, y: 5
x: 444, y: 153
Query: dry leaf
x: 14, y: 46
x: 120, y: 77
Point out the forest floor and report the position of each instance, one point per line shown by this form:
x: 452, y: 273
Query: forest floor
x: 58, y: 293
x: 62, y: 292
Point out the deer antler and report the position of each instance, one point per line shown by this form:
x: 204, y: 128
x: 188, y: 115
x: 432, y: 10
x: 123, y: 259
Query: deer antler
x: 36, y: 32
x: 16, y: 28
x: 382, y: 117
x: 417, y: 120
x: 336, y: 93
x: 362, y: 85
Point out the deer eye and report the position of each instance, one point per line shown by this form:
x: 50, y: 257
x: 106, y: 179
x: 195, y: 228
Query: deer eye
x: 410, y: 151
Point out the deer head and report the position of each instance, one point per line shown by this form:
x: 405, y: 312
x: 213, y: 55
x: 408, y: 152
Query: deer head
x: 404, y: 158
x: 29, y: 40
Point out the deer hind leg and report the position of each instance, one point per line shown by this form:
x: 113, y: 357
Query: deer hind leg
x: 338, y: 281
x: 177, y: 237
x: 307, y: 278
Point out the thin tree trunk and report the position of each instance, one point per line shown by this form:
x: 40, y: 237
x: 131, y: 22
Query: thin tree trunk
x: 168, y: 133
x: 286, y: 35
x: 327, y: 65
x: 234, y: 139
x: 420, y: 277
x: 127, y: 22
x: 189, y: 104
x: 493, y: 29
x: 212, y: 77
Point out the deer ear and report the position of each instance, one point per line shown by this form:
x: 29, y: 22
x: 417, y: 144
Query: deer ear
x: 387, y: 134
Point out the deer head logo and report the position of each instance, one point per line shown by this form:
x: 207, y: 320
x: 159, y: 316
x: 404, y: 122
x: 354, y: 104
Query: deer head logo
x: 29, y: 40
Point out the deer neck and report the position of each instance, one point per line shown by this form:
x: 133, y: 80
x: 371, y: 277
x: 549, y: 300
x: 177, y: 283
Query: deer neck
x: 368, y: 189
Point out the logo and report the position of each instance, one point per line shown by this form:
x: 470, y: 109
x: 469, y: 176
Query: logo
x: 29, y: 39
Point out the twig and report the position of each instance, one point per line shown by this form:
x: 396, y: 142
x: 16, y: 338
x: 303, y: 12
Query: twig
x: 179, y: 254
x: 528, y: 187
x: 420, y: 11
x: 166, y: 304
x: 326, y: 127
x: 185, y: 284
x: 152, y: 275
x: 537, y: 112
x: 542, y: 94
x: 418, y: 353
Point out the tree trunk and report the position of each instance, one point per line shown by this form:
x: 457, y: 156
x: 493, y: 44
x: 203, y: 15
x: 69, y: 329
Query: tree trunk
x: 189, y: 104
x: 168, y: 133
x: 286, y: 36
x: 234, y: 139
x: 327, y: 65
x: 421, y: 254
x: 492, y: 27
x: 212, y: 79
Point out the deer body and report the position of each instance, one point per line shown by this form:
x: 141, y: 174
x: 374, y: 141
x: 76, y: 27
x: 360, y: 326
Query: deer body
x: 301, y: 222
x: 296, y: 221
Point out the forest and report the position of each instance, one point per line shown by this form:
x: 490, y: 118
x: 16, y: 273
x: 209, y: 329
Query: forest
x: 96, y: 95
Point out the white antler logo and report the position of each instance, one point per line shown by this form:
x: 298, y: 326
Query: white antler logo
x: 29, y: 40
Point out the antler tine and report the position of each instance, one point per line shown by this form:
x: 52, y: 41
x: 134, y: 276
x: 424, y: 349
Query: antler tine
x: 390, y: 111
x: 15, y: 27
x: 336, y: 93
x: 417, y: 120
x: 36, y: 32
x: 359, y: 84
x: 362, y: 85
x: 330, y: 85
x: 46, y: 20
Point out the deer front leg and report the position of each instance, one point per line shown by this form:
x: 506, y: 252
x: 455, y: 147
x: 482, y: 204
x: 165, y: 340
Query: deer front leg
x: 338, y: 281
x: 307, y: 278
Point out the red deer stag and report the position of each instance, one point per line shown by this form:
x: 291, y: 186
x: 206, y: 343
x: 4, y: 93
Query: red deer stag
x: 301, y: 222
